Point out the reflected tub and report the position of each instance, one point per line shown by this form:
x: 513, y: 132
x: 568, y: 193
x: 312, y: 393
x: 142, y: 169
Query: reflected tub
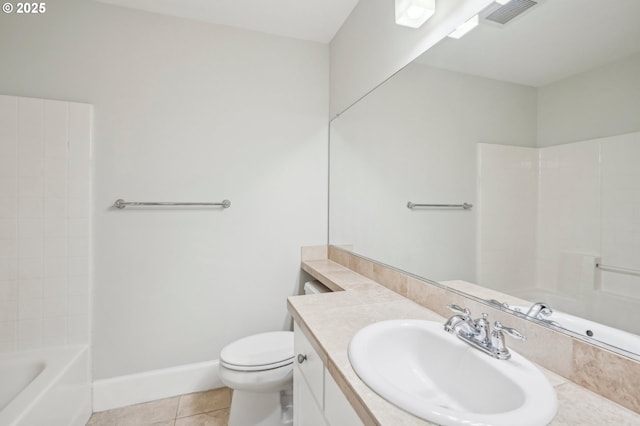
x: 609, y: 335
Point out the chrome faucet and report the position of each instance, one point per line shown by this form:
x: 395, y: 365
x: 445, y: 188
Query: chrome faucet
x: 539, y: 310
x: 497, y: 339
x: 460, y: 323
x: 498, y: 303
x: 478, y: 334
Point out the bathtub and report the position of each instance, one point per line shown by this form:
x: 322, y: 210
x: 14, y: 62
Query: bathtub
x: 611, y: 336
x: 48, y: 387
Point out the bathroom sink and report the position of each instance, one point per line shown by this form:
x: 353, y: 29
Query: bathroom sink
x: 433, y: 375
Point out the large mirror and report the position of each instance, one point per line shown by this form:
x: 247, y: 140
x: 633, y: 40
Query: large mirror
x: 527, y: 132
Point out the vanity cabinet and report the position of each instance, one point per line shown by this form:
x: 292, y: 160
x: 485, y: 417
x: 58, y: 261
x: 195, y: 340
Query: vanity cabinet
x: 317, y: 399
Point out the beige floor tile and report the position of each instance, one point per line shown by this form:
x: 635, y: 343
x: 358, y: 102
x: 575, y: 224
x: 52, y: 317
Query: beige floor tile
x: 162, y: 411
x: 204, y: 402
x: 101, y: 419
x: 213, y: 418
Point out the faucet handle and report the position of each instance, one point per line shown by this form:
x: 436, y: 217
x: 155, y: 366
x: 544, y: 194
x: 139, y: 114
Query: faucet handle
x: 498, y: 303
x: 461, y: 323
x: 498, y: 327
x: 463, y: 311
x: 500, y: 351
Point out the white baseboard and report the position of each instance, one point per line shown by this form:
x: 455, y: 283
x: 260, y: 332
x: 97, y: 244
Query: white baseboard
x: 157, y: 384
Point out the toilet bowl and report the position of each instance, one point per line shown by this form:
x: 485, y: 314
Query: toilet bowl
x: 258, y: 363
x: 259, y: 369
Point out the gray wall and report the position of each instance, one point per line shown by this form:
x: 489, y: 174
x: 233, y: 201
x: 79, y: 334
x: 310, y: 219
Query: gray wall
x: 597, y: 103
x: 184, y: 111
x: 415, y: 139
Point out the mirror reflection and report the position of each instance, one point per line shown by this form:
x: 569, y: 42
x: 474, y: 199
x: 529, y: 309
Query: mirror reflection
x: 534, y: 121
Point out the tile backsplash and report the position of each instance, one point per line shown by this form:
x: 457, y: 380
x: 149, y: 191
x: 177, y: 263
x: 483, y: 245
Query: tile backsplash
x: 44, y: 222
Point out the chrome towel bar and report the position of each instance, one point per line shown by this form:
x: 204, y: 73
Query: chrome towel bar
x: 618, y: 269
x: 121, y: 204
x: 465, y: 206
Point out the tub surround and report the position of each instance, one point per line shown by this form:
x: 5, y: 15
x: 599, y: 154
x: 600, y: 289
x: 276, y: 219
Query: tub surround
x: 45, y: 192
x: 366, y: 292
x: 45, y: 260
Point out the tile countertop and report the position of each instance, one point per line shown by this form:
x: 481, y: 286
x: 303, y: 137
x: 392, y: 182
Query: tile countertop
x: 329, y: 321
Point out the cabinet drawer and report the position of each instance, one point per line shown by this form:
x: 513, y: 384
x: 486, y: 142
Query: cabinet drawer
x: 310, y: 365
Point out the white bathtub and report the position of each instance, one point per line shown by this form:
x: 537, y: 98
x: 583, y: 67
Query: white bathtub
x: 49, y: 387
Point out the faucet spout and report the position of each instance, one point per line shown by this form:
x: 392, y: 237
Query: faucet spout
x: 461, y: 323
x: 539, y: 310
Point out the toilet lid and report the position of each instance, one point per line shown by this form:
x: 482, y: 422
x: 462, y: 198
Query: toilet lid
x: 259, y: 352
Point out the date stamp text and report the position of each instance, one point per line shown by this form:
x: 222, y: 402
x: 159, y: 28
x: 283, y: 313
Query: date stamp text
x: 25, y: 8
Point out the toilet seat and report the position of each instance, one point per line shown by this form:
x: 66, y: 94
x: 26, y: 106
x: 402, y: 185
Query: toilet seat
x: 260, y: 352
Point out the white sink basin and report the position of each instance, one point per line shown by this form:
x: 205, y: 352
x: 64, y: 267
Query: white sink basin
x: 432, y: 374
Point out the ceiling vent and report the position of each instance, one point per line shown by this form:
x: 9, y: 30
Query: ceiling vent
x: 501, y: 14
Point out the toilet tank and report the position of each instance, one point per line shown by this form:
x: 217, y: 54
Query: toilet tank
x: 315, y: 287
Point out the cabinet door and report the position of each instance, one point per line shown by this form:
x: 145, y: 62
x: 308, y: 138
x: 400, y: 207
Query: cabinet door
x: 310, y: 364
x: 306, y: 411
x: 337, y: 409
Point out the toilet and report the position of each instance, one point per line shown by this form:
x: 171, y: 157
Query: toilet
x: 259, y: 369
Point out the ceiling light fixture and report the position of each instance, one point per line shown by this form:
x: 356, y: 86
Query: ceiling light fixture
x: 502, y: 2
x: 465, y: 28
x: 414, y: 13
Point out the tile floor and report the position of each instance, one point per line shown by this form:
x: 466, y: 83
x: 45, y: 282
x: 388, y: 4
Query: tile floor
x: 209, y: 408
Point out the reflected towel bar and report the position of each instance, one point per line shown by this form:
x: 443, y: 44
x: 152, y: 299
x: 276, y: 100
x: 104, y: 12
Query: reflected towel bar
x: 618, y: 269
x: 121, y: 204
x: 465, y: 206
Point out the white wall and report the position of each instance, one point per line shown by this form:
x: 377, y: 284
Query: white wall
x: 415, y: 139
x: 597, y: 103
x: 44, y: 223
x: 507, y: 183
x: 370, y: 47
x: 185, y: 111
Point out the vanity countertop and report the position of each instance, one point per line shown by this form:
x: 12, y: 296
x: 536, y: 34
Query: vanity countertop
x: 329, y: 321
